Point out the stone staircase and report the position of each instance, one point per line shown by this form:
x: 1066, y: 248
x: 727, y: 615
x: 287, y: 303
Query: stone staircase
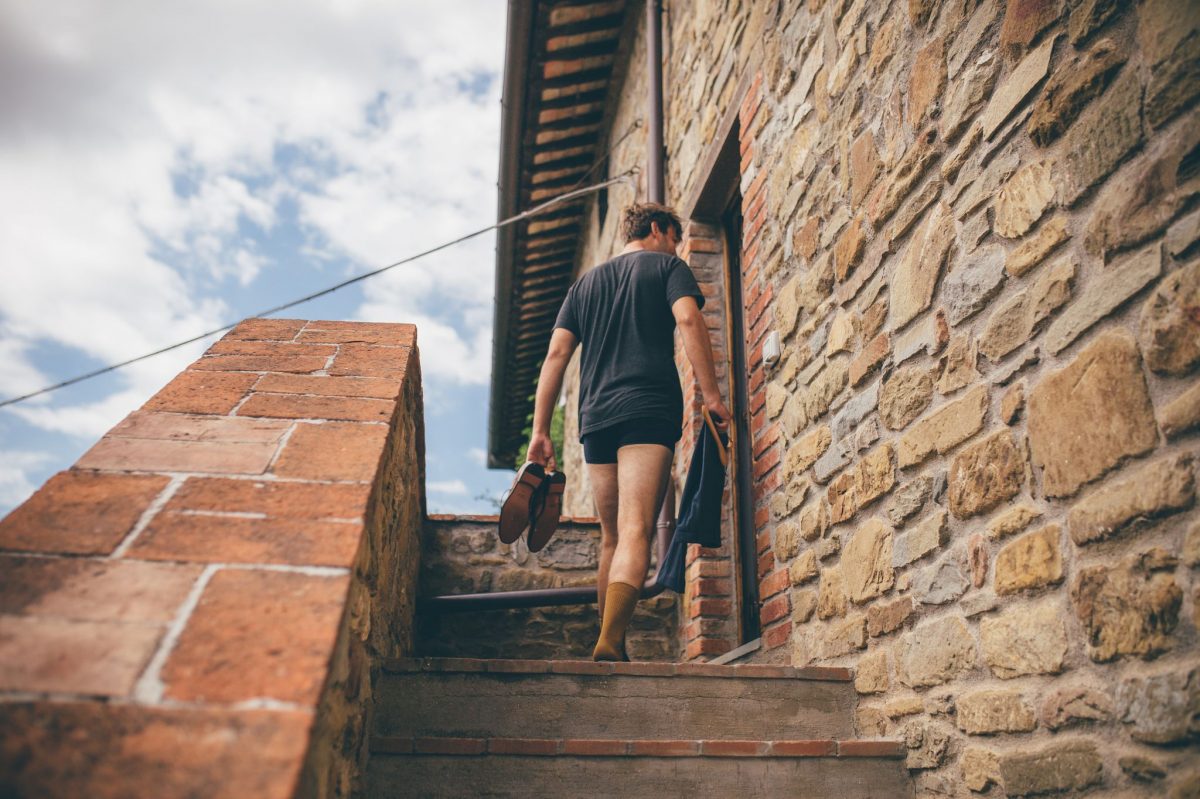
x: 457, y: 727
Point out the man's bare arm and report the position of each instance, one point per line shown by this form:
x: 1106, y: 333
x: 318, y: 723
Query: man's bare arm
x: 562, y: 346
x: 698, y: 348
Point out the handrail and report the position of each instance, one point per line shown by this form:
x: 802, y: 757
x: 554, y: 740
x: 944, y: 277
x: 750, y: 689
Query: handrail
x: 557, y: 597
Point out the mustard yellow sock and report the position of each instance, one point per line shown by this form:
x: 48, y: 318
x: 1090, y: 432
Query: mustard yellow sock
x: 619, y: 602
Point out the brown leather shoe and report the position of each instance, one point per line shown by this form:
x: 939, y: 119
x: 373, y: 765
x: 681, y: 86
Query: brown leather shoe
x: 517, y: 510
x: 548, y: 508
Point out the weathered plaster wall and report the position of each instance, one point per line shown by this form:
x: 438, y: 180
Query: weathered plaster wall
x: 463, y: 555
x: 974, y: 226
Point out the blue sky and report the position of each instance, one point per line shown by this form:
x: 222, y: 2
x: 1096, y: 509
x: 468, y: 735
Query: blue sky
x: 166, y: 168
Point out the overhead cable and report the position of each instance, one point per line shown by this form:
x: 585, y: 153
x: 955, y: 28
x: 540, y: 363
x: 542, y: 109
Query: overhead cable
x: 553, y: 201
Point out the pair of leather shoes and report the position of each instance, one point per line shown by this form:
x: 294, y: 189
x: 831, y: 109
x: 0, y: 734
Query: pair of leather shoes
x: 533, y: 504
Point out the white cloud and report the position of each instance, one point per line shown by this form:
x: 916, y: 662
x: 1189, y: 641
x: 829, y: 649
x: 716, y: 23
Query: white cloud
x: 142, y: 141
x: 477, y: 455
x: 15, y: 486
x: 446, y: 487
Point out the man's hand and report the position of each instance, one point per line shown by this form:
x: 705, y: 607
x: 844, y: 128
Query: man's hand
x: 719, y: 413
x: 541, y: 451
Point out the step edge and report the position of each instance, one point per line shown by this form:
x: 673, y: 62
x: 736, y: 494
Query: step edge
x: 612, y: 747
x: 587, y: 668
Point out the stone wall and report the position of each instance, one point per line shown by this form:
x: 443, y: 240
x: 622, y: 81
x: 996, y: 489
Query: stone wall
x: 974, y: 226
x: 195, y: 606
x: 464, y: 555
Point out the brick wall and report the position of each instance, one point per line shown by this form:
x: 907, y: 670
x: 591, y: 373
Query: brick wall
x: 462, y: 555
x: 194, y: 606
x: 974, y: 225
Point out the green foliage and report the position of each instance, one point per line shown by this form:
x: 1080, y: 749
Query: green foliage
x: 556, y: 434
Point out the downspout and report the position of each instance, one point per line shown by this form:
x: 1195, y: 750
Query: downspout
x: 654, y: 162
x: 665, y: 526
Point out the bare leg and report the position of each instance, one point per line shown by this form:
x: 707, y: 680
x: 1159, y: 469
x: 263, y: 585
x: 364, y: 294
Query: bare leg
x: 642, y: 471
x: 604, y: 493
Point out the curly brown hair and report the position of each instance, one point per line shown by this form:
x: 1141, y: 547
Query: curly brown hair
x: 637, y: 218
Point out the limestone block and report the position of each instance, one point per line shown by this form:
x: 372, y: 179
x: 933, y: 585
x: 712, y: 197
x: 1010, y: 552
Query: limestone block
x: 920, y: 267
x: 866, y: 564
x: 929, y: 335
x: 986, y: 473
x: 805, y: 452
x: 1016, y: 87
x: 1023, y: 200
x: 944, y: 429
x: 927, y: 81
x: 1157, y: 489
x: 942, y: 582
x: 1014, y: 321
x: 965, y: 43
x: 1126, y: 609
x: 855, y: 410
x: 980, y: 768
x: 831, y: 599
x: 1139, y: 202
x: 871, y: 673
x: 1032, y: 561
x: 958, y: 367
x: 874, y: 476
x: 909, y: 499
x: 1012, y: 521
x: 1183, y: 234
x: 1105, y: 294
x: 1087, y: 16
x: 903, y: 706
x: 1031, y: 252
x: 1074, y: 704
x: 1143, y: 769
x: 1162, y: 708
x: 916, y: 160
x: 1012, y: 403
x: 1107, y: 132
x: 968, y: 94
x: 973, y: 283
x: 864, y: 166
x: 1191, y: 545
x: 1170, y: 38
x: 804, y: 568
x: 843, y: 637
x: 935, y: 652
x: 1071, y: 88
x: 974, y: 189
x: 991, y: 711
x: 905, y: 395
x: 776, y: 394
x: 927, y: 743
x: 883, y: 618
x: 1170, y: 323
x: 1025, y: 19
x: 1025, y: 640
x: 814, y: 520
x: 842, y: 503
x: 925, y: 537
x: 841, y: 332
x: 787, y: 541
x: 1057, y: 768
x: 804, y: 602
x: 830, y: 463
x: 1091, y: 414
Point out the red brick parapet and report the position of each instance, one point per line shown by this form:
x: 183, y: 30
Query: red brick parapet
x: 194, y: 606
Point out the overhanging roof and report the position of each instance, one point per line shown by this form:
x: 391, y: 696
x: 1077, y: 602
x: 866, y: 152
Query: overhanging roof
x: 559, y: 63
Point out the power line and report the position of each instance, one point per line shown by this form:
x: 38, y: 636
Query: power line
x: 553, y: 201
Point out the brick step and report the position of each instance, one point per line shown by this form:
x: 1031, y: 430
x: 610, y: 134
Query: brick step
x: 530, y: 768
x: 461, y: 698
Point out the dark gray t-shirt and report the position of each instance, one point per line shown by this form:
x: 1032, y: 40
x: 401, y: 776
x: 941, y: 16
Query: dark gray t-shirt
x: 621, y: 313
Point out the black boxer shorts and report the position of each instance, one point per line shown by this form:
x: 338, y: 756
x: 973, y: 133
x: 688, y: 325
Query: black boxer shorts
x: 600, y: 446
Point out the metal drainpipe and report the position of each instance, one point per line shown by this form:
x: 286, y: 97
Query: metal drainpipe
x: 665, y: 527
x: 654, y: 166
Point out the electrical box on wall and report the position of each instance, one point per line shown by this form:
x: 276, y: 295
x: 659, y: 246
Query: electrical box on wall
x: 771, y: 349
